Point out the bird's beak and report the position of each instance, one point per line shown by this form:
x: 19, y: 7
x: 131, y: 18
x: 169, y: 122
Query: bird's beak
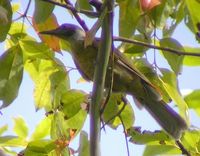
x: 54, y: 32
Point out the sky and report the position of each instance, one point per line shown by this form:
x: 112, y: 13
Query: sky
x: 112, y: 142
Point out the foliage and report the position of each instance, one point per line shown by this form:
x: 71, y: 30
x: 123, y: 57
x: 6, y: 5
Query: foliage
x: 66, y: 109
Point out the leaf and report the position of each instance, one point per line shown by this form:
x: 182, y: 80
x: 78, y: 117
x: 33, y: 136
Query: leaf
x: 3, y: 129
x: 12, y: 141
x: 49, y: 24
x: 129, y: 16
x: 33, y: 49
x: 20, y: 127
x: 57, y: 126
x: 83, y: 144
x: 71, y: 102
x: 42, y: 129
x: 162, y: 12
x: 11, y: 69
x: 193, y: 101
x: 118, y: 106
x: 152, y: 150
x: 175, y: 61
x: 193, y: 8
x: 42, y: 11
x: 51, y: 81
x: 5, y: 18
x: 170, y: 84
x: 83, y: 5
x: 191, y: 141
x: 40, y: 146
x: 191, y: 60
x: 145, y: 137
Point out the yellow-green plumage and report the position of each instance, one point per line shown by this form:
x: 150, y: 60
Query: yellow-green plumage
x: 126, y: 79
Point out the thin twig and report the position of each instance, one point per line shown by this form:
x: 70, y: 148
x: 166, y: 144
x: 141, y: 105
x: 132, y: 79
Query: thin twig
x: 178, y: 52
x: 78, y: 18
x: 182, y: 148
x: 125, y: 136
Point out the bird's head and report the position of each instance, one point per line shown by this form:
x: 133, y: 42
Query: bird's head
x: 67, y: 32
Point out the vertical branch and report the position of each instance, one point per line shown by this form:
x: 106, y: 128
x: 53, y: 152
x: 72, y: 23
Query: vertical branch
x: 99, y: 79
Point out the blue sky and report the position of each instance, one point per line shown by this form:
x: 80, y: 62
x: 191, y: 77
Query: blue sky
x: 112, y: 142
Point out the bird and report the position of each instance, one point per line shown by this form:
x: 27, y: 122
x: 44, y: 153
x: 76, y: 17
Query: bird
x: 126, y: 77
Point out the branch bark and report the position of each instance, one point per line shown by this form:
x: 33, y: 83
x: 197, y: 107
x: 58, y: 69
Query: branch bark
x: 99, y: 79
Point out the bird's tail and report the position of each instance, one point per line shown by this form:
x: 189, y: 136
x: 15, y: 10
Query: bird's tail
x: 168, y: 119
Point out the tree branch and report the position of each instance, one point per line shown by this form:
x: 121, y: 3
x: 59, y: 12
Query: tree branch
x: 99, y: 79
x: 155, y: 47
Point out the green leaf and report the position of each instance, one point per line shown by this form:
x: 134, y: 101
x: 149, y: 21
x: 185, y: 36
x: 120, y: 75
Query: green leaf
x: 161, y: 13
x: 193, y: 101
x: 76, y: 122
x: 169, y: 81
x: 175, y: 61
x: 57, y: 127
x: 129, y: 11
x: 83, y: 144
x: 191, y: 141
x: 51, y: 81
x: 20, y: 127
x: 42, y: 11
x: 32, y: 49
x: 42, y: 129
x: 191, y: 60
x: 193, y: 8
x: 12, y: 141
x: 41, y: 146
x: 3, y: 129
x: 145, y: 137
x: 71, y: 102
x: 83, y: 5
x: 5, y: 18
x: 118, y: 106
x: 152, y: 150
x: 11, y: 69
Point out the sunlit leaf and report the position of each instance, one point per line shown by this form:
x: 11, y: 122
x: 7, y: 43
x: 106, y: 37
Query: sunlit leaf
x: 193, y: 101
x: 118, y: 106
x: 152, y: 150
x: 175, y: 61
x: 71, y: 102
x: 83, y: 4
x: 129, y: 11
x: 170, y: 84
x: 12, y: 141
x: 11, y: 69
x: 20, y: 127
x: 191, y: 141
x: 42, y: 129
x: 41, y: 146
x: 33, y: 49
x: 191, y: 60
x: 193, y: 8
x: 83, y: 144
x: 42, y: 11
x: 144, y: 137
x: 51, y: 82
x: 5, y: 18
x: 3, y: 129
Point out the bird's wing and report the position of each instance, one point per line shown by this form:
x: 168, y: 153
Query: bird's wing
x: 123, y: 61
